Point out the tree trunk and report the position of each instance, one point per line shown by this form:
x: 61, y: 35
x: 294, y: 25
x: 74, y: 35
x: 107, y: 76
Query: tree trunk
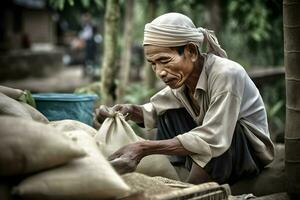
x: 109, y: 65
x: 291, y: 20
x: 150, y: 78
x: 126, y: 54
x: 214, y: 15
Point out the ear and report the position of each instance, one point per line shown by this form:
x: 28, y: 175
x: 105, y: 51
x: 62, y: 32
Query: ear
x: 191, y: 51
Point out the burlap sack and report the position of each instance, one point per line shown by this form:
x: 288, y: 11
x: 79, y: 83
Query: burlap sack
x: 11, y: 92
x: 72, y: 125
x: 115, y: 133
x: 27, y: 146
x: 35, y: 114
x: 88, y: 178
x: 9, y: 106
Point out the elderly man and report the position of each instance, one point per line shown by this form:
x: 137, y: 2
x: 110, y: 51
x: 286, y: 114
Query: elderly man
x: 210, y: 116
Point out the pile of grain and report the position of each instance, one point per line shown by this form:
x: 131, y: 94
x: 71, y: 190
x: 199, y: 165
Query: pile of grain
x: 149, y: 186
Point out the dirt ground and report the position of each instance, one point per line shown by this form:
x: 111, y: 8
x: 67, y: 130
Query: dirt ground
x: 65, y: 80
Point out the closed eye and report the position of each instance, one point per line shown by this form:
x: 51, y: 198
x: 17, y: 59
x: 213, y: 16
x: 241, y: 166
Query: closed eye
x: 164, y: 61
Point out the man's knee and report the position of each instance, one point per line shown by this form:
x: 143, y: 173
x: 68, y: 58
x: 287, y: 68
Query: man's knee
x: 198, y: 175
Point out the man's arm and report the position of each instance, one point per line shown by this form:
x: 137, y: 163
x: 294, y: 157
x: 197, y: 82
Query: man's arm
x: 166, y: 147
x: 128, y: 157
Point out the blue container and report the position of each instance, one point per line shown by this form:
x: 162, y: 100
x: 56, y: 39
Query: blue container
x: 59, y: 106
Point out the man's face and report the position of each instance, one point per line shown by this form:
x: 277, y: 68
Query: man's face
x: 173, y: 69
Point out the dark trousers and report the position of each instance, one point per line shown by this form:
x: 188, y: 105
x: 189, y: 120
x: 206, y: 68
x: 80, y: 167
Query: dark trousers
x: 236, y: 163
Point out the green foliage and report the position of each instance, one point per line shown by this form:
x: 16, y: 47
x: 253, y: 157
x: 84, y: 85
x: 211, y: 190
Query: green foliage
x: 93, y: 88
x: 137, y: 94
x: 26, y: 97
x: 274, y: 99
x: 252, y: 16
x: 253, y: 34
x: 60, y: 4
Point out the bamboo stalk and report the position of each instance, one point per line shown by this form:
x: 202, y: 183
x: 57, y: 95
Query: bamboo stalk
x: 291, y: 28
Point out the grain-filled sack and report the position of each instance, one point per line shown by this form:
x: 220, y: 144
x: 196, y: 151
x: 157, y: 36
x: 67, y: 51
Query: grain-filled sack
x: 27, y: 146
x: 11, y: 92
x: 9, y: 106
x: 35, y: 114
x: 115, y: 133
x: 72, y: 125
x: 87, y: 178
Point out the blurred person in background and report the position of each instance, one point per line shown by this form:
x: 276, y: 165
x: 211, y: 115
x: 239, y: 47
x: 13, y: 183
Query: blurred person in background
x: 210, y: 116
x: 87, y: 35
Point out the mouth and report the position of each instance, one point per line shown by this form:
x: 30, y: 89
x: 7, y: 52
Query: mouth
x: 171, y: 80
x: 167, y: 82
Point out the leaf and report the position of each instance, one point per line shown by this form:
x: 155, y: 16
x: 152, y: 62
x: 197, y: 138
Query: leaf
x: 26, y: 97
x: 99, y: 3
x: 275, y: 109
x: 85, y: 3
x: 71, y: 2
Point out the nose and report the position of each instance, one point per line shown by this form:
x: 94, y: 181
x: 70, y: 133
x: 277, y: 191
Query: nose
x: 160, y: 72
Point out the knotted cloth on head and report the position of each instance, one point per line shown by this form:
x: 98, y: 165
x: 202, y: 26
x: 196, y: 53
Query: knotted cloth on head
x: 175, y: 29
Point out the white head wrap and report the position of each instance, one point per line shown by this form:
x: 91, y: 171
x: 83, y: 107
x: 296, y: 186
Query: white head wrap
x: 175, y: 29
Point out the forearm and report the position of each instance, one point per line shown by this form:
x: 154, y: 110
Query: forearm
x: 127, y: 158
x: 166, y: 147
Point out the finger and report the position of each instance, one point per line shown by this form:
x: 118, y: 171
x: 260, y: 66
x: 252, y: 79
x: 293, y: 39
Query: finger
x: 114, y: 156
x: 127, y: 116
x: 96, y: 124
x: 116, y: 162
x: 123, y: 165
x: 100, y: 118
x: 102, y: 114
x: 117, y: 107
x: 117, y: 166
x: 123, y: 109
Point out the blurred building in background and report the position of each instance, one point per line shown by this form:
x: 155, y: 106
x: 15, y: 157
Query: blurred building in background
x: 27, y: 40
x: 26, y: 24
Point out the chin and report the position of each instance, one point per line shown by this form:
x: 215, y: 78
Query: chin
x: 176, y: 86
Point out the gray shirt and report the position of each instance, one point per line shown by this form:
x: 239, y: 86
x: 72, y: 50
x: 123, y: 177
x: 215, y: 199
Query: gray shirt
x: 226, y: 95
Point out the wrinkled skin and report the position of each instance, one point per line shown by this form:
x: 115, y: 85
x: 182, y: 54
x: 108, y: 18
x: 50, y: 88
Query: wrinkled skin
x: 126, y: 158
x: 173, y: 69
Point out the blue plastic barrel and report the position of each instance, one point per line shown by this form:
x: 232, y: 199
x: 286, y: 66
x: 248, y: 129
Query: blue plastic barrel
x: 59, y: 106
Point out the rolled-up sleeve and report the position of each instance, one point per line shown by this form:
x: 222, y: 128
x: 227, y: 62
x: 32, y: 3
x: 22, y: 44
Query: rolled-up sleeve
x: 214, y: 136
x: 159, y: 103
x: 149, y: 115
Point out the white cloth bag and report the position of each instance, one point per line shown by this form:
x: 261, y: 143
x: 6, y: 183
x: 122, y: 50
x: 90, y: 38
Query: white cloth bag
x: 115, y: 133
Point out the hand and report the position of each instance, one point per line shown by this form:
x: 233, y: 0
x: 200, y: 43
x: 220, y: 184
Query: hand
x: 126, y: 110
x: 96, y: 124
x: 101, y: 114
x: 127, y: 158
x: 130, y: 112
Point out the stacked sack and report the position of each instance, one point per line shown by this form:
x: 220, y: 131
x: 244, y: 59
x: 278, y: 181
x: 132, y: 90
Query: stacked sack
x: 57, y: 160
x: 64, y: 159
